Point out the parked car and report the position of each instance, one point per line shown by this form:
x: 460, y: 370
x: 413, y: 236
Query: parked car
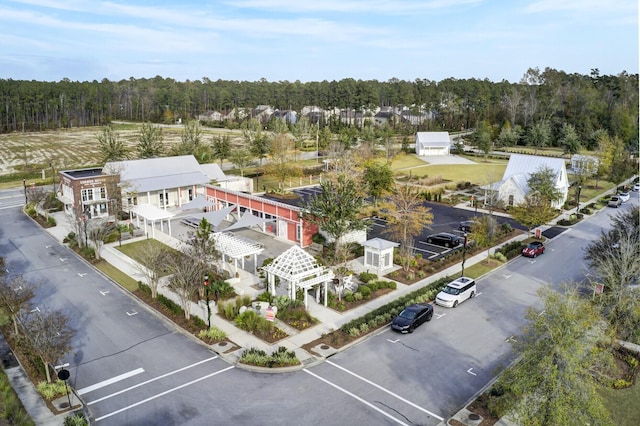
x: 614, y: 201
x: 444, y: 239
x: 466, y: 225
x: 624, y: 196
x: 636, y: 187
x: 412, y: 316
x: 456, y: 292
x: 533, y: 249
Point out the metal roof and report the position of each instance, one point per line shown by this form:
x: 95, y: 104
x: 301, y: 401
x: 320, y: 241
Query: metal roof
x: 435, y: 139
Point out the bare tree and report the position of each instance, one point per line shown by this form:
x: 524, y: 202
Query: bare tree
x: 407, y: 217
x: 98, y: 231
x: 48, y: 335
x: 153, y: 264
x: 189, y: 266
x: 15, y: 299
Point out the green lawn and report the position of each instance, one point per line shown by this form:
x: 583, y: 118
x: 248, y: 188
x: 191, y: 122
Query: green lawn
x: 117, y: 275
x: 135, y: 250
x: 623, y: 404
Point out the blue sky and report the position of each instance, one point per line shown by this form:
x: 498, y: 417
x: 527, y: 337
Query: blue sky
x: 85, y: 40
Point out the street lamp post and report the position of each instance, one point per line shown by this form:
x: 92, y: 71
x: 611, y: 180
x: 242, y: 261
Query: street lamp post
x: 578, y: 199
x: 206, y: 295
x: 464, y: 253
x: 24, y: 185
x: 53, y: 177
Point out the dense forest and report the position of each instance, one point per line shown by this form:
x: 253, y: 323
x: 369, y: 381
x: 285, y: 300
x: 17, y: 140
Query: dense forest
x: 589, y: 103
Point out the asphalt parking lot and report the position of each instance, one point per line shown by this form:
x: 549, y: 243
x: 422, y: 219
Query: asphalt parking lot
x: 445, y: 219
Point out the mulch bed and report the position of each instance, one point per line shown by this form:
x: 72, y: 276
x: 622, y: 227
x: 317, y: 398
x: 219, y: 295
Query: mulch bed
x: 351, y: 305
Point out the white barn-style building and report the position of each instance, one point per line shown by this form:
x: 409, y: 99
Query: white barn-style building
x: 433, y: 143
x: 513, y: 187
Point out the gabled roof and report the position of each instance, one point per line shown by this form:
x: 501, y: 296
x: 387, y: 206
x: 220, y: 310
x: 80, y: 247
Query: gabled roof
x: 380, y: 244
x: 214, y: 172
x: 153, y: 174
x: 527, y: 164
x: 433, y: 139
x: 293, y: 263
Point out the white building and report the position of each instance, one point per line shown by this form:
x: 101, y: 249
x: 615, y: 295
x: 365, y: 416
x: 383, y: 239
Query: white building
x: 433, y: 143
x: 514, y: 186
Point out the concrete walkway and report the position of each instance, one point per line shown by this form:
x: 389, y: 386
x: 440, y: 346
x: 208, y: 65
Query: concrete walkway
x: 246, y: 284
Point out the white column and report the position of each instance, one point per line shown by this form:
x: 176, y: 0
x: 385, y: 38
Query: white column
x: 326, y: 296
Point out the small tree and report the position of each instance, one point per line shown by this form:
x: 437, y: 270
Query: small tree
x: 49, y: 336
x: 98, y: 231
x: 534, y: 211
x: 379, y: 180
x: 221, y: 147
x: 111, y: 146
x: 539, y: 135
x: 484, y: 232
x: 153, y: 264
x: 189, y: 266
x: 564, y: 351
x: 15, y: 299
x: 407, y: 218
x: 150, y: 143
x: 241, y: 158
x: 542, y: 183
x: 336, y: 209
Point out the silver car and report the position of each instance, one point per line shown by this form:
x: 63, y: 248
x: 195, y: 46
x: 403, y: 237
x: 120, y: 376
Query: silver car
x: 614, y: 201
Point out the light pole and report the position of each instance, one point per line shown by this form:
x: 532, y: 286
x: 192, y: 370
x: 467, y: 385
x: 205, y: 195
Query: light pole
x: 578, y: 199
x: 206, y: 295
x: 53, y: 177
x: 24, y: 185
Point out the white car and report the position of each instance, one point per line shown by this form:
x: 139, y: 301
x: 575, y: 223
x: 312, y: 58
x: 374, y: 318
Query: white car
x: 624, y: 196
x: 636, y: 187
x: 456, y: 292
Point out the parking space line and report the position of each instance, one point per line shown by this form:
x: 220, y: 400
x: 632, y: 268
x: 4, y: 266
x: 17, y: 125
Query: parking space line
x: 356, y: 397
x: 384, y: 390
x: 151, y: 398
x: 149, y: 381
x: 109, y: 381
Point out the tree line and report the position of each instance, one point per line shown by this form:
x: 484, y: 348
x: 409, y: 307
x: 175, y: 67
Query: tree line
x: 553, y: 97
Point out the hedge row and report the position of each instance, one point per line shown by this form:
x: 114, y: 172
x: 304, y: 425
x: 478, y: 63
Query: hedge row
x: 375, y: 317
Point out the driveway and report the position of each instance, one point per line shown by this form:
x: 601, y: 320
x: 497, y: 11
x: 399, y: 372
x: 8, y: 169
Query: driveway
x: 445, y: 159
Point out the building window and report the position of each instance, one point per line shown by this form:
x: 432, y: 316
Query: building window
x: 87, y: 194
x: 164, y: 202
x: 510, y: 200
x: 103, y: 193
x: 299, y: 233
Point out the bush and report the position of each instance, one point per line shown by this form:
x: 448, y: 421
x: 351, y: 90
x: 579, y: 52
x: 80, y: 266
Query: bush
x: 280, y: 358
x: 366, y: 277
x: 50, y: 391
x: 170, y: 304
x: 349, y: 297
x: 365, y: 291
x: 51, y: 221
x: 76, y: 420
x: 214, y: 333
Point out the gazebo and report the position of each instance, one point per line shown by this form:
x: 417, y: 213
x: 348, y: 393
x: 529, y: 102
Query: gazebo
x: 298, y: 269
x: 378, y: 253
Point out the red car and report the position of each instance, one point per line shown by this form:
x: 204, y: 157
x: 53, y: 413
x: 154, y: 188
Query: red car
x: 533, y: 249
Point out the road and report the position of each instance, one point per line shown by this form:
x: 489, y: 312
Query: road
x: 133, y: 367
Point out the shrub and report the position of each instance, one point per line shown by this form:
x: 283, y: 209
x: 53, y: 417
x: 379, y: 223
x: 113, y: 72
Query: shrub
x: 198, y: 322
x: 145, y: 288
x: 357, y: 296
x: 51, y: 221
x: 349, y: 297
x: 354, y: 332
x: 265, y: 297
x: 366, y: 277
x: 51, y: 390
x: 214, y: 333
x: 365, y: 291
x: 364, y: 328
x: 280, y: 358
x: 506, y: 227
x: 77, y: 419
x: 621, y: 384
x: 170, y: 304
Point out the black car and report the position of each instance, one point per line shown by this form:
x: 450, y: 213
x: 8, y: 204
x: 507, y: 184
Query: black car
x: 411, y: 317
x: 466, y: 225
x: 444, y: 239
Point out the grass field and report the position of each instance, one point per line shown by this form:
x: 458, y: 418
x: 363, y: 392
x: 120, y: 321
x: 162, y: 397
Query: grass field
x: 623, y: 404
x: 117, y: 275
